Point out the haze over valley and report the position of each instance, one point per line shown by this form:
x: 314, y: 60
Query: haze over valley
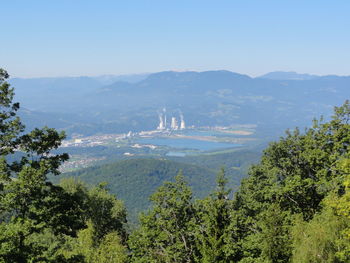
x: 175, y: 116
x: 175, y: 131
x: 86, y: 105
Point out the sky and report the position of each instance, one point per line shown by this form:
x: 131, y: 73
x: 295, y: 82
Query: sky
x: 253, y: 37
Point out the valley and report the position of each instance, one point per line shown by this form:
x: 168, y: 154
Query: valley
x: 156, y: 143
x: 137, y: 132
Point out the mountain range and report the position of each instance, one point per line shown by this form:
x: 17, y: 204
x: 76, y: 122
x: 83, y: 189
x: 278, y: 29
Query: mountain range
x: 89, y: 105
x: 288, y: 75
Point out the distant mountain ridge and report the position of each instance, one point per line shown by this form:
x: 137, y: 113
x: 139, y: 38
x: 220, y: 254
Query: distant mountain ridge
x: 205, y: 98
x: 288, y: 75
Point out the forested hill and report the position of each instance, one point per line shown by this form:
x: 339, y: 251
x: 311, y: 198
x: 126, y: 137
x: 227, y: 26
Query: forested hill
x: 133, y: 181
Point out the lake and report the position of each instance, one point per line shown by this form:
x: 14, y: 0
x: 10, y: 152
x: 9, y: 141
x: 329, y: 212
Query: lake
x: 183, y: 143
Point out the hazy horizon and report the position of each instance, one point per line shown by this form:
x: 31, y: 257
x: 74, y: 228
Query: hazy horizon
x: 75, y: 38
x: 170, y: 70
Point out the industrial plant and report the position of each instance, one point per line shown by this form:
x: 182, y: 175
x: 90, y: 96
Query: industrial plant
x: 174, y: 124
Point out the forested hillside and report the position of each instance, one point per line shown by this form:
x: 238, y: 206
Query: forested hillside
x: 293, y: 207
x: 146, y: 175
x: 133, y: 181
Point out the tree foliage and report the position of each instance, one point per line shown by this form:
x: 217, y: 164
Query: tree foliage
x: 213, y: 218
x: 166, y: 232
x: 38, y: 220
x: 293, y: 178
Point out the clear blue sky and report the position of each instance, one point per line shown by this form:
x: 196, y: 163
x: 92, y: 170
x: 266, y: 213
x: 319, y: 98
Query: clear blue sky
x: 75, y: 37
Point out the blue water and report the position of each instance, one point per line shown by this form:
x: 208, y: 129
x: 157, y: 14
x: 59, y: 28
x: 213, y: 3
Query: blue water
x: 204, y: 133
x: 176, y: 154
x: 182, y: 143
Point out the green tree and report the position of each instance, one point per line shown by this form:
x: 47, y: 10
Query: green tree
x: 213, y: 215
x: 317, y: 240
x: 275, y: 236
x: 109, y: 249
x: 106, y: 212
x: 339, y: 202
x: 293, y: 177
x: 96, y: 205
x: 10, y: 125
x: 25, y: 194
x: 42, y: 222
x: 166, y: 232
x: 103, y: 236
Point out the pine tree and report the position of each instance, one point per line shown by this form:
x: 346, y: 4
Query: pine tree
x: 213, y: 214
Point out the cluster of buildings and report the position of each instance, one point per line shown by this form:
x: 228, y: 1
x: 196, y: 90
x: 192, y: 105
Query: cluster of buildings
x: 164, y: 126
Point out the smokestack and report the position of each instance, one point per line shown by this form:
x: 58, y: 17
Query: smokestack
x: 161, y: 123
x: 182, y: 125
x: 164, y: 110
x: 174, y: 125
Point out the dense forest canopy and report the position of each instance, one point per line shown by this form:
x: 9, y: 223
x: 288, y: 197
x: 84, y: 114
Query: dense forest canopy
x: 293, y: 207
